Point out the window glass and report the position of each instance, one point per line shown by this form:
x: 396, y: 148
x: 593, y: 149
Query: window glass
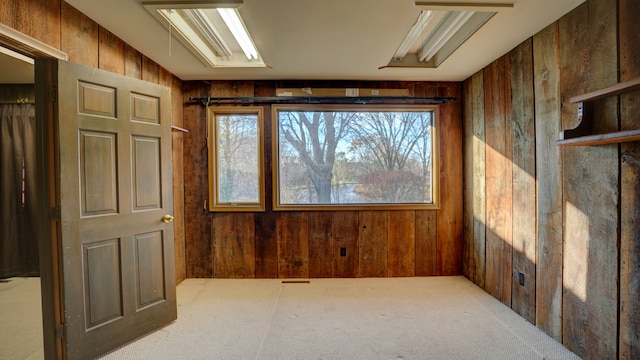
x: 354, y: 157
x: 235, y: 144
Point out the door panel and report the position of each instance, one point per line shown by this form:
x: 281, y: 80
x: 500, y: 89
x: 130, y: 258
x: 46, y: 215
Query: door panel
x: 146, y: 170
x: 98, y: 182
x: 115, y: 188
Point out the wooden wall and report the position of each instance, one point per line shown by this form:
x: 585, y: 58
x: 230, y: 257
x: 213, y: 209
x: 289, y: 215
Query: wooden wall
x: 306, y: 244
x: 564, y: 217
x: 61, y: 26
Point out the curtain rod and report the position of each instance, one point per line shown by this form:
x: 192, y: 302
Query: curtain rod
x: 18, y: 101
x: 427, y: 100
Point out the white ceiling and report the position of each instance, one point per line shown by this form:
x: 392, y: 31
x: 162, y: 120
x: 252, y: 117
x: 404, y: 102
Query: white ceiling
x: 328, y: 39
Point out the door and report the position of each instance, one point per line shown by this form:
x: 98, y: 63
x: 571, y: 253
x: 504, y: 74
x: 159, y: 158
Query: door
x: 115, y: 204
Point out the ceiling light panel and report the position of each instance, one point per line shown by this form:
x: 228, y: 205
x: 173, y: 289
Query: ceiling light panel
x: 439, y: 30
x: 202, y: 30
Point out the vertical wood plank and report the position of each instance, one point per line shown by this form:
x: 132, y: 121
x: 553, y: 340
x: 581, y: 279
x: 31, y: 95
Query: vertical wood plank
x: 266, y: 243
x: 39, y: 19
x: 79, y: 36
x: 523, y: 299
x: 150, y: 70
x: 372, y: 244
x: 498, y: 179
x: 110, y: 52
x: 401, y: 230
x: 266, y: 246
x: 549, y: 178
x: 177, y: 146
x: 590, y: 181
x: 450, y: 163
x: 132, y: 62
x: 233, y: 245
x: 293, y: 244
x: 197, y: 218
x: 320, y: 244
x: 345, y: 236
x: 426, y: 243
x: 629, y: 13
x: 475, y: 200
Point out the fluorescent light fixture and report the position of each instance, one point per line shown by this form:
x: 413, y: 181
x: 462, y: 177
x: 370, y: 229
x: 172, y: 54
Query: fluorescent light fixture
x: 425, y: 17
x: 210, y: 30
x: 450, y: 25
x: 440, y: 29
x: 177, y: 19
x: 231, y: 17
x: 204, y: 26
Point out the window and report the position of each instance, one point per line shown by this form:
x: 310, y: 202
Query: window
x: 235, y: 159
x: 338, y: 157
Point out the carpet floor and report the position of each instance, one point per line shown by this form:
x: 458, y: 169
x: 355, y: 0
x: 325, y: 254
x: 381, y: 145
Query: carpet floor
x: 21, y: 319
x: 384, y: 318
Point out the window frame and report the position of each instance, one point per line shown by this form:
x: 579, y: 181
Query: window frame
x: 212, y: 153
x: 435, y: 153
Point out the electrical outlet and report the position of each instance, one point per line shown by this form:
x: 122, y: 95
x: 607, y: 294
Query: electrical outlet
x: 521, y: 278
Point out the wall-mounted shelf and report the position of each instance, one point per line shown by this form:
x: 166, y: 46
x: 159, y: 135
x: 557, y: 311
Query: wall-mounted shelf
x: 582, y: 134
x: 177, y: 128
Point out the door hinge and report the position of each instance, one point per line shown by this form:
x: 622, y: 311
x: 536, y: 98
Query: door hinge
x: 54, y: 213
x: 53, y: 94
x: 60, y: 331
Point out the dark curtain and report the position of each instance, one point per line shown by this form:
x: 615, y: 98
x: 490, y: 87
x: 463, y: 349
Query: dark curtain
x: 18, y: 192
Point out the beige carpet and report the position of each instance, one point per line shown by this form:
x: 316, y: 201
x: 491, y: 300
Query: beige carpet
x: 399, y: 318
x: 21, y: 319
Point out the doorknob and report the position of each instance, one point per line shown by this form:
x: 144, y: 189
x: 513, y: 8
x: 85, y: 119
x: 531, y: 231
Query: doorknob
x: 167, y: 218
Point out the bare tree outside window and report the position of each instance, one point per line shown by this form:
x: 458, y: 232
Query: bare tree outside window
x: 368, y: 156
x: 237, y: 158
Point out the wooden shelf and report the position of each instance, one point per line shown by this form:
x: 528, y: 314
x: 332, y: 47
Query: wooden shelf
x: 582, y: 134
x: 602, y: 139
x: 616, y: 89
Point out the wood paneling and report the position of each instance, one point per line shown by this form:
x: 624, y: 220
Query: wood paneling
x: 345, y: 244
x: 497, y: 105
x: 266, y: 246
x: 426, y: 243
x: 586, y: 197
x: 475, y: 179
x: 293, y: 244
x: 524, y: 185
x: 111, y: 48
x: 449, y: 216
x: 177, y: 145
x: 372, y: 244
x: 233, y: 246
x: 197, y: 219
x: 132, y: 62
x: 375, y: 244
x: 401, y: 230
x: 150, y: 70
x: 321, y: 244
x: 39, y: 19
x: 549, y: 178
x: 79, y: 37
x: 629, y: 36
x: 590, y: 221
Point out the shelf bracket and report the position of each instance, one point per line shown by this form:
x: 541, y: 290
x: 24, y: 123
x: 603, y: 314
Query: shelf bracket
x: 585, y: 122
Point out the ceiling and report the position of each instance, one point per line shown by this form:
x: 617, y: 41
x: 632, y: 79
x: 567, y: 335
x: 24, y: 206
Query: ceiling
x: 328, y: 39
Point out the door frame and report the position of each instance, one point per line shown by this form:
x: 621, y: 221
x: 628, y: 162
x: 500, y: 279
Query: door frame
x: 46, y: 227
